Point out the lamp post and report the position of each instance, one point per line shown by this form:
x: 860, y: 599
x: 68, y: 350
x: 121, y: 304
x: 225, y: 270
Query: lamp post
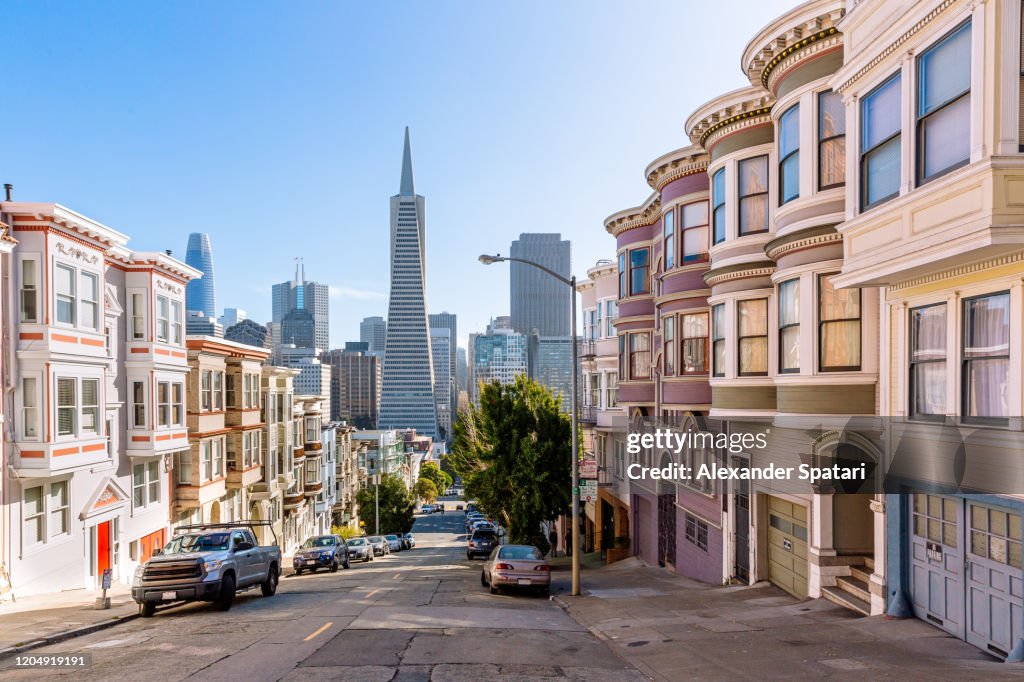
x: 576, y: 534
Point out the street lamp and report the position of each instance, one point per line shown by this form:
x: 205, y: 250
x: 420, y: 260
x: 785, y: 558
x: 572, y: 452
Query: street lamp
x: 576, y: 534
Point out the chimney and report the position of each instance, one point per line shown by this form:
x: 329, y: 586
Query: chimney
x: 168, y: 252
x: 8, y: 189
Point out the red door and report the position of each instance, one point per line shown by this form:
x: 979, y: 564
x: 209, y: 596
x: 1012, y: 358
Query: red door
x: 102, y: 548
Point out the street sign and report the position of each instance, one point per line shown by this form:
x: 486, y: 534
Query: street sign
x: 588, y: 490
x: 107, y: 576
x: 588, y: 468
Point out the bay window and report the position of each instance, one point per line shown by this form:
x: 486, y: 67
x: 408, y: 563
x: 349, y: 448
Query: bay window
x: 718, y: 204
x: 669, y: 243
x: 29, y: 294
x: 611, y: 398
x: 611, y: 311
x: 838, y: 327
x: 205, y: 397
x: 218, y: 457
x: 694, y: 228
x: 177, y: 322
x: 880, y: 144
x: 178, y: 404
x: 753, y: 195
x: 163, y: 404
x: 753, y: 337
x: 64, y: 293
x: 640, y: 356
x: 623, y: 289
x: 944, y: 105
x: 639, y: 272
x: 206, y: 460
x: 623, y: 357
x: 139, y: 404
x: 789, y: 326
x: 67, y: 407
x: 928, y: 361
x: 163, y: 322
x: 668, y: 339
x: 718, y: 340
x: 218, y: 391
x: 90, y: 300
x: 29, y: 408
x: 986, y: 358
x: 831, y: 140
x: 694, y: 343
x: 789, y: 154
x: 91, y: 406
x: 138, y: 313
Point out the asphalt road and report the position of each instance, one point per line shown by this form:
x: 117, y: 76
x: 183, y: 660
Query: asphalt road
x: 420, y: 614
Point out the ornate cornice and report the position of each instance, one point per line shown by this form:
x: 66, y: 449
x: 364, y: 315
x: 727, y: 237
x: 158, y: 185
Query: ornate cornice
x: 822, y: 42
x: 800, y: 240
x: 729, y: 113
x: 681, y: 296
x: 1010, y: 259
x: 641, y: 216
x: 675, y: 165
x: 894, y: 45
x: 795, y: 31
x: 160, y: 284
x: 731, y: 273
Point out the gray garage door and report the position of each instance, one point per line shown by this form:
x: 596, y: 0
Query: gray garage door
x: 965, y: 570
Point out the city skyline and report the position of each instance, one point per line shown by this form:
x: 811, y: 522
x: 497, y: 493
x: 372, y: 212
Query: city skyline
x: 474, y: 100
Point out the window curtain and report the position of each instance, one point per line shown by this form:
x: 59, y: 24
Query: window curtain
x: 987, y: 355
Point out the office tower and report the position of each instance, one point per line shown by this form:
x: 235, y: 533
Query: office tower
x: 407, y: 396
x: 444, y: 384
x: 539, y: 301
x: 198, y: 324
x: 448, y: 321
x: 314, y: 378
x: 355, y: 384
x: 499, y: 355
x: 231, y: 317
x: 373, y: 331
x: 249, y: 332
x: 549, y: 359
x: 299, y: 294
x: 201, y: 294
x: 461, y: 370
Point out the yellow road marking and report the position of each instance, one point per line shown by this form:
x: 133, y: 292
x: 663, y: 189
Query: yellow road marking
x: 397, y: 576
x: 325, y: 626
x: 372, y: 593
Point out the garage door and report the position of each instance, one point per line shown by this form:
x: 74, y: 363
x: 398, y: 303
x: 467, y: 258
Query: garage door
x: 787, y: 546
x: 937, y: 560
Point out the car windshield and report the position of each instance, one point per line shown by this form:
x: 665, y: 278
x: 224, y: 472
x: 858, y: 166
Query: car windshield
x: 325, y: 541
x: 483, y: 535
x: 520, y: 552
x: 356, y: 542
x: 194, y: 542
x: 375, y: 539
x: 391, y: 537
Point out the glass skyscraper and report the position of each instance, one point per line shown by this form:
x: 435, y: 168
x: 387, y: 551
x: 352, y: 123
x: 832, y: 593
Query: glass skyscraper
x: 538, y: 300
x: 201, y: 294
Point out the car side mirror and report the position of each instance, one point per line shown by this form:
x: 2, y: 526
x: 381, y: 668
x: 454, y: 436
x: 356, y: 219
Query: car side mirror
x: 242, y: 546
x: 157, y: 552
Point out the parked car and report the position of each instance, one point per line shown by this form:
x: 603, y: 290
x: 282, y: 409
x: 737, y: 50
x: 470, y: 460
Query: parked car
x: 322, y: 551
x: 458, y: 507
x: 394, y: 543
x: 427, y: 509
x: 439, y: 508
x: 482, y: 525
x: 207, y: 563
x: 359, y: 548
x: 481, y: 543
x: 380, y: 545
x: 409, y: 540
x: 516, y: 566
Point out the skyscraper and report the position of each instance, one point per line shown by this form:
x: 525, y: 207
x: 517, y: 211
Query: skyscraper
x: 355, y: 385
x: 407, y: 394
x: 499, y: 355
x: 448, y: 321
x: 444, y: 382
x: 539, y: 301
x: 307, y: 329
x: 373, y: 331
x: 201, y: 294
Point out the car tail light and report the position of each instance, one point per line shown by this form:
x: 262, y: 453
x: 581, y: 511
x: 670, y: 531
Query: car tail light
x: 503, y: 567
x: 542, y: 567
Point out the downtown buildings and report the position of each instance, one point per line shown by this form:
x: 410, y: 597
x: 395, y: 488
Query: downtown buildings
x: 407, y: 393
x: 835, y: 264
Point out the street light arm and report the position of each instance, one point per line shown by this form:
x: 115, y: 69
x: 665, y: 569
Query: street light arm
x: 487, y: 260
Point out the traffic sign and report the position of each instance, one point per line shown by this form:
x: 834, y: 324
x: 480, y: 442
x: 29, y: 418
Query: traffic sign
x: 588, y: 490
x: 588, y: 468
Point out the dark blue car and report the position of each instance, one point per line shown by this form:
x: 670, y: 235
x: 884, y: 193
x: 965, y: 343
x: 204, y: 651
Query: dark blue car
x: 322, y: 551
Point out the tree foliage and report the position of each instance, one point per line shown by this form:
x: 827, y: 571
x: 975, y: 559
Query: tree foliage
x: 426, y: 490
x: 396, y: 505
x: 430, y: 470
x: 513, y: 454
x: 345, y: 532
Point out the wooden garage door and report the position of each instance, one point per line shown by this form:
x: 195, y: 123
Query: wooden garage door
x: 787, y: 546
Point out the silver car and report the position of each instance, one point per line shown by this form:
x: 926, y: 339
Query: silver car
x: 380, y: 545
x: 516, y: 566
x: 359, y: 548
x: 394, y: 543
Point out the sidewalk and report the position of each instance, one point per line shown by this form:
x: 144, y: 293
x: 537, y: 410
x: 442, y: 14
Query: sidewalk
x: 673, y: 628
x: 49, y: 618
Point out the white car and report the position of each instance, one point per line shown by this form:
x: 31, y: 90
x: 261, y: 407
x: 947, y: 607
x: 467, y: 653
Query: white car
x: 427, y: 509
x: 394, y: 543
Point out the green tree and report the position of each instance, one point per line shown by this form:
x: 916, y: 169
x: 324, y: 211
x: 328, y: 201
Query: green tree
x: 513, y: 454
x: 345, y: 532
x: 432, y: 472
x: 426, y: 490
x: 395, y: 503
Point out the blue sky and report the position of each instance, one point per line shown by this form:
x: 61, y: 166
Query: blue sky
x: 277, y: 128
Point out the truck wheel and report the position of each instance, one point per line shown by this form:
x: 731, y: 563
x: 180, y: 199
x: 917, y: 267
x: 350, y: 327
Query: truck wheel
x: 147, y: 609
x: 334, y: 567
x: 269, y: 586
x: 483, y: 578
x: 227, y: 593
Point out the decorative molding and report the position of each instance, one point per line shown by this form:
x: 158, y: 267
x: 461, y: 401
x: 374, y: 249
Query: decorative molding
x: 747, y: 119
x: 672, y: 170
x: 894, y: 45
x: 76, y: 252
x: 780, y: 247
x: 960, y: 271
x: 713, y: 278
x: 640, y: 218
x: 160, y: 284
x: 799, y: 51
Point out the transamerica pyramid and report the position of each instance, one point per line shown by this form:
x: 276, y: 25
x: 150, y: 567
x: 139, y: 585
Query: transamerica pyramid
x: 407, y: 391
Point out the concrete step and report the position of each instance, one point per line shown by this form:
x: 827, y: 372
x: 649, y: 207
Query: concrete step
x: 858, y: 588
x: 869, y: 563
x: 846, y: 600
x: 860, y: 573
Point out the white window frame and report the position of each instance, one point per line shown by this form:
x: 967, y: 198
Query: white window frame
x: 177, y: 322
x: 28, y: 289
x: 137, y: 318
x: 85, y: 303
x: 137, y: 403
x: 163, y: 322
x: 31, y: 425
x: 163, y: 404
x: 64, y: 510
x: 37, y: 518
x: 72, y: 297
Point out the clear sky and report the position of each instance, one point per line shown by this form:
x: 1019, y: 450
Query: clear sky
x: 277, y: 128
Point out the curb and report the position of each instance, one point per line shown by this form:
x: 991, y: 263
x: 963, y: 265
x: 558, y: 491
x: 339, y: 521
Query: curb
x: 69, y: 634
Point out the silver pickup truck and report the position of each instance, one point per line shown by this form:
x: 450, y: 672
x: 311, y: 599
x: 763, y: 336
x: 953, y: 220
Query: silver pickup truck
x: 207, y: 563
